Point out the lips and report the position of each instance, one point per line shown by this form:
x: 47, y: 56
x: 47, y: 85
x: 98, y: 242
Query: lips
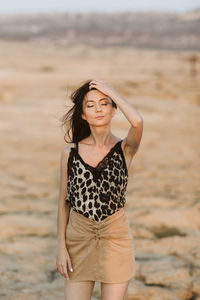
x: 99, y: 117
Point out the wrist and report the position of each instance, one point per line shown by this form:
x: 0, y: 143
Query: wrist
x: 61, y: 244
x: 61, y: 248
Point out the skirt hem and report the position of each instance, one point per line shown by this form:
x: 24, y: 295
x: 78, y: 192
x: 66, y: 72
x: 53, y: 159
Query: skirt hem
x: 102, y: 280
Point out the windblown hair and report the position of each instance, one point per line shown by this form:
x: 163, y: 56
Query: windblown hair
x: 72, y: 120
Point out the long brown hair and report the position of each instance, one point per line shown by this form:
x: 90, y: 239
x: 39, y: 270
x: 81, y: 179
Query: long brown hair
x: 72, y: 120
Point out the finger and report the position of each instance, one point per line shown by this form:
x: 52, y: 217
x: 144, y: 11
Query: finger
x: 69, y: 264
x: 98, y: 83
x: 64, y: 271
x: 59, y: 269
x: 93, y: 85
x: 95, y: 81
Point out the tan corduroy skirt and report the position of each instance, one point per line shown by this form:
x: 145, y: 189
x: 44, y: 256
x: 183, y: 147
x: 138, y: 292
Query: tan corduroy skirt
x: 100, y: 251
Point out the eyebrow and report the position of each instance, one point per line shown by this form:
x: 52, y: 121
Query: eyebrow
x: 99, y: 100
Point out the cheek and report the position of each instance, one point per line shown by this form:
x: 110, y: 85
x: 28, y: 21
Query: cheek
x: 88, y: 113
x: 110, y: 112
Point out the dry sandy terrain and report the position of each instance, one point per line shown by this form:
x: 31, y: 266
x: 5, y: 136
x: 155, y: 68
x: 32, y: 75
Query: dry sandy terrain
x: 163, y: 194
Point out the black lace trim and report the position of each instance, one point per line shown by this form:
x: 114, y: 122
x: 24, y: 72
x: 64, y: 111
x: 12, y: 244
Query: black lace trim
x: 70, y: 162
x: 103, y: 163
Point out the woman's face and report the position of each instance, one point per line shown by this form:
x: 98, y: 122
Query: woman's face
x: 97, y: 104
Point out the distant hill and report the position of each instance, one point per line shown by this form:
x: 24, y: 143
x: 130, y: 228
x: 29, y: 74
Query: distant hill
x: 139, y: 29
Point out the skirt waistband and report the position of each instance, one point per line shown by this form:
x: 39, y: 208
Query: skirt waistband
x: 121, y: 212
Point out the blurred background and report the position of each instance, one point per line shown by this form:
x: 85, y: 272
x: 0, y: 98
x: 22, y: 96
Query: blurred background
x: 149, y: 51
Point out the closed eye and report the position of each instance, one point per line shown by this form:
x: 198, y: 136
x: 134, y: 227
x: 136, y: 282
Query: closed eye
x: 93, y: 105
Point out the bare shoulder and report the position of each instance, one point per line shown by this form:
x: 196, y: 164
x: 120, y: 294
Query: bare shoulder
x: 66, y: 150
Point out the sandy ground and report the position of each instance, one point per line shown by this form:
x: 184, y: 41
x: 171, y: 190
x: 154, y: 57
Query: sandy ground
x: 163, y: 194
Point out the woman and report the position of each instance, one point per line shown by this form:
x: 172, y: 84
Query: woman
x: 95, y: 242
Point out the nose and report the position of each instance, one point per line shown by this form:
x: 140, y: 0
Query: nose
x: 98, y: 107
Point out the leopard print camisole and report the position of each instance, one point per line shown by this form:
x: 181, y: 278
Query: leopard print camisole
x: 97, y: 192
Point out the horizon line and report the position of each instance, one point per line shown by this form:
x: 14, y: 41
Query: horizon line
x: 98, y: 11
